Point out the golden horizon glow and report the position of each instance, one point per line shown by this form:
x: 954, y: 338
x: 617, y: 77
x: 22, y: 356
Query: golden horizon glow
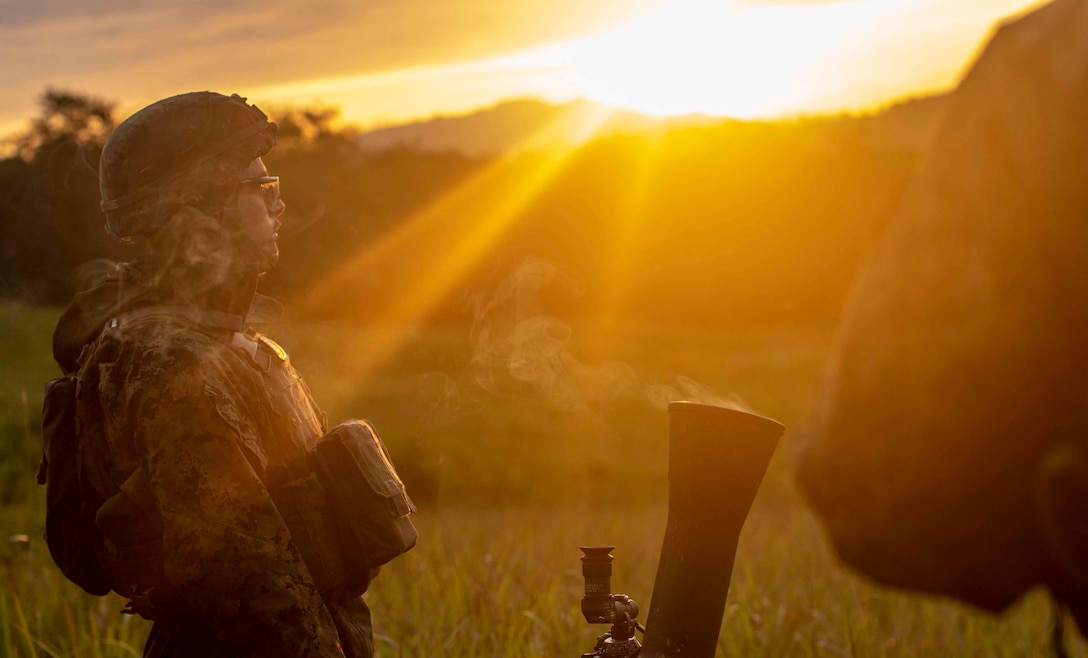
x: 738, y: 58
x: 766, y: 60
x: 712, y: 57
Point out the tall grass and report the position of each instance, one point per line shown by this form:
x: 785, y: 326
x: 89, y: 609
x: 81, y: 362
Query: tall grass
x: 508, y: 582
x: 508, y: 489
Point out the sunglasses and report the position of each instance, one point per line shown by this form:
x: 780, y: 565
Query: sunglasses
x: 266, y: 186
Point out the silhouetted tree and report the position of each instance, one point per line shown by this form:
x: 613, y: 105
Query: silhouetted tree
x: 66, y: 118
x: 305, y: 128
x: 50, y: 220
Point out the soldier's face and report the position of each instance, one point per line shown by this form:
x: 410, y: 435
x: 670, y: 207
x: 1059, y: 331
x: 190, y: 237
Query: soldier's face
x: 259, y: 221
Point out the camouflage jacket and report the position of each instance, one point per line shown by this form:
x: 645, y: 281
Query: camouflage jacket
x: 192, y: 432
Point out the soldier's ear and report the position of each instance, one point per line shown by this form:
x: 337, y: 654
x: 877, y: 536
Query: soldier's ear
x: 1060, y: 499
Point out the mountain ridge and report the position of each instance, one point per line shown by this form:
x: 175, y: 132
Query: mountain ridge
x: 531, y: 123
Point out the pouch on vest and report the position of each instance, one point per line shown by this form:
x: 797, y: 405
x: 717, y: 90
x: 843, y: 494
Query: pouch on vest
x: 374, y: 507
x: 70, y: 532
x: 315, y: 528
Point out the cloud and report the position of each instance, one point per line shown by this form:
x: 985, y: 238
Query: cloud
x: 121, y: 52
x: 138, y: 51
x: 19, y: 12
x: 16, y: 13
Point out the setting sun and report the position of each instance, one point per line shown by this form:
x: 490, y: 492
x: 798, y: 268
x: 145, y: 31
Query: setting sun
x: 719, y: 58
x: 750, y: 60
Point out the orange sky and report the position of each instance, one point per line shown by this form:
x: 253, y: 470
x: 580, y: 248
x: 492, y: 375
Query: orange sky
x: 391, y: 60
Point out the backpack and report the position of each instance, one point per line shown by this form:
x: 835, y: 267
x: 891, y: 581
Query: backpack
x: 74, y: 541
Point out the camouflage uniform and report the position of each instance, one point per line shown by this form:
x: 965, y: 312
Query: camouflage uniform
x: 196, y: 424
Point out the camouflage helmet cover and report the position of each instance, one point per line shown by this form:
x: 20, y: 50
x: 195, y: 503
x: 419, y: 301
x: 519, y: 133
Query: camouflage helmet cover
x: 167, y: 139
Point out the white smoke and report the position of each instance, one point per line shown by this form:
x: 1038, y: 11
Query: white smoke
x: 518, y: 349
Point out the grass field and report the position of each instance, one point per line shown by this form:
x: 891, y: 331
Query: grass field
x: 508, y: 488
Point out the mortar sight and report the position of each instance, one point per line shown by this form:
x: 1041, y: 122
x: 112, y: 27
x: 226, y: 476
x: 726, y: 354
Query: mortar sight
x: 597, y: 605
x: 601, y: 606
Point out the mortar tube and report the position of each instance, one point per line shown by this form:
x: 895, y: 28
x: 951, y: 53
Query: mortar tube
x: 717, y: 459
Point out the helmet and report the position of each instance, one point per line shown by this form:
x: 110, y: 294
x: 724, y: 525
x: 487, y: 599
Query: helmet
x: 168, y: 139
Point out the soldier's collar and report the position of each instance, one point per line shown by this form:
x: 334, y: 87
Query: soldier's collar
x: 264, y: 310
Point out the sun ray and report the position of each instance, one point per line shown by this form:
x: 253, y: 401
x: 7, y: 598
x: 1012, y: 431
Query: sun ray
x: 489, y: 202
x: 628, y: 239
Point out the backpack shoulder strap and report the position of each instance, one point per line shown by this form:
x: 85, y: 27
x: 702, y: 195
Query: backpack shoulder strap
x: 199, y: 316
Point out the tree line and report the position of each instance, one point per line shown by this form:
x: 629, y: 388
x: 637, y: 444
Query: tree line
x: 733, y: 222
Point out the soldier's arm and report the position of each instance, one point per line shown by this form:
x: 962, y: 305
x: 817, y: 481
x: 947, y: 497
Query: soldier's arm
x: 227, y: 550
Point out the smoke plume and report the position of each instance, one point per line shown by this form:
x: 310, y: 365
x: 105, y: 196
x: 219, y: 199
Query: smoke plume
x: 520, y: 349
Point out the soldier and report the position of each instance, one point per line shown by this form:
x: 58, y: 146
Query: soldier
x: 192, y: 426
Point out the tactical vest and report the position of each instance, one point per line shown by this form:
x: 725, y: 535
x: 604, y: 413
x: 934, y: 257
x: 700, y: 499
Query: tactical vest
x: 339, y: 495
